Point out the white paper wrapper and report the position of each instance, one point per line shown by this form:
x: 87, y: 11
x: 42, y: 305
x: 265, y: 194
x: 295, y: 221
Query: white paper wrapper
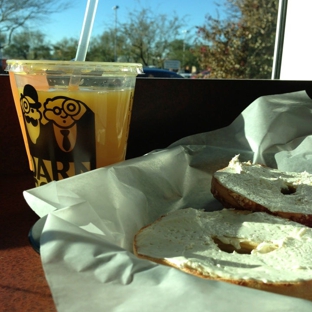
x: 86, y: 243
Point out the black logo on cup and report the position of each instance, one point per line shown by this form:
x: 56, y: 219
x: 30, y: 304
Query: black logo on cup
x: 61, y: 134
x: 31, y: 112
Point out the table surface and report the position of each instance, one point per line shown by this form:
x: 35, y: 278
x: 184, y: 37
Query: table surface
x: 183, y: 107
x: 23, y: 286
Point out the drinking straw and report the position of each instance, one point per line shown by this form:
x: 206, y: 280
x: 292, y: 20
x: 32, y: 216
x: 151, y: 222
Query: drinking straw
x: 86, y: 30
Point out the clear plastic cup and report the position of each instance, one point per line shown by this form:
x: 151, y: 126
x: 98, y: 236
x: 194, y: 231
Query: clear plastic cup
x: 74, y: 116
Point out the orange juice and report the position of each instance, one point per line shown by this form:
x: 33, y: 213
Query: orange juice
x: 82, y: 130
x: 74, y: 116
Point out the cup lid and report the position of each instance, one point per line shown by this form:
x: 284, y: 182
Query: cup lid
x: 69, y: 67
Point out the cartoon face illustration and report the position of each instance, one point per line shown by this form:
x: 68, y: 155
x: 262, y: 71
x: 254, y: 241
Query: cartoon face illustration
x: 64, y: 111
x: 30, y: 108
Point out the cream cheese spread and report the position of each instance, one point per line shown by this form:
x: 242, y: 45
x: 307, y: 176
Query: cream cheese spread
x: 271, y: 188
x: 186, y: 238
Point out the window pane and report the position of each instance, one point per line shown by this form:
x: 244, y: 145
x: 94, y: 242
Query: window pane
x: 297, y: 47
x: 198, y: 39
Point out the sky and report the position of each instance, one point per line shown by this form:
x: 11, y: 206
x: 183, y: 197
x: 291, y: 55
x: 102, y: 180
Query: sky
x: 69, y: 23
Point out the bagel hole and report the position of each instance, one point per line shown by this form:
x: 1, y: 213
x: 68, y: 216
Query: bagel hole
x: 245, y: 247
x: 289, y: 190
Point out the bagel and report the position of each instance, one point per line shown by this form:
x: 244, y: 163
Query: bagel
x: 255, y: 250
x: 254, y: 187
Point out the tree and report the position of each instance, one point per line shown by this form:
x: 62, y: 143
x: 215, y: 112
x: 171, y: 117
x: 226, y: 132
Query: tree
x: 181, y: 50
x: 16, y: 14
x: 148, y: 36
x: 242, y: 45
x: 102, y: 48
x: 28, y: 45
x: 65, y: 49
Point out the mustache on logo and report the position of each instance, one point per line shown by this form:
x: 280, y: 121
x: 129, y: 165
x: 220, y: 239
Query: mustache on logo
x: 33, y: 121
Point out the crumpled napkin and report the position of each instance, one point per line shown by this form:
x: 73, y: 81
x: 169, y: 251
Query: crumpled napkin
x: 86, y: 241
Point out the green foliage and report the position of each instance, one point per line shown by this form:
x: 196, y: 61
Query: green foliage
x: 102, y: 48
x: 28, y: 45
x: 148, y: 36
x: 242, y: 45
x: 181, y: 50
x: 65, y: 50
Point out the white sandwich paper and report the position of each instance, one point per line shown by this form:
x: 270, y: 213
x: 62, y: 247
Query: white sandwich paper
x: 86, y: 241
